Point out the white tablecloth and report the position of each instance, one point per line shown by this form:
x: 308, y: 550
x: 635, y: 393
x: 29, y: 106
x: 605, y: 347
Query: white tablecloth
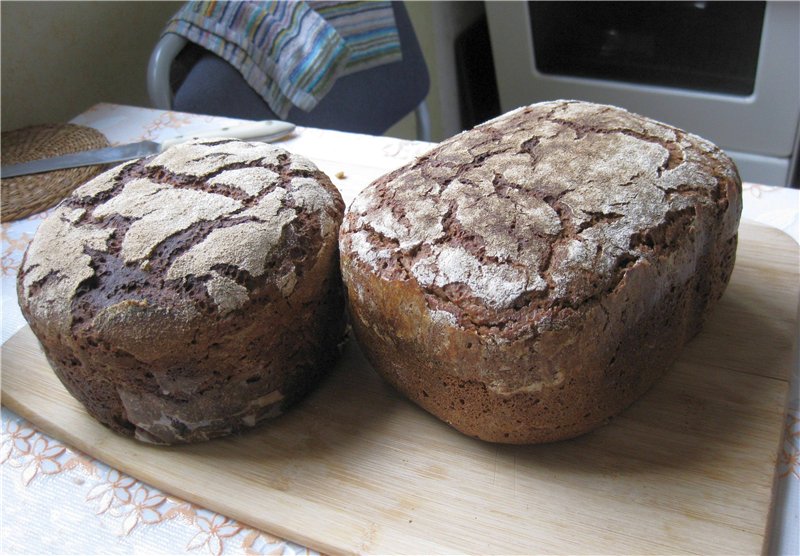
x: 56, y: 500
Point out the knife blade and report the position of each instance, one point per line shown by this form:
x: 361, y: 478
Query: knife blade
x: 265, y: 130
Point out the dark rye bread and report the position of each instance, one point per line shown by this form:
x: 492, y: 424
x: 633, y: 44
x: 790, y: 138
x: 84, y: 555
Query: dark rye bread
x: 528, y: 279
x: 190, y: 294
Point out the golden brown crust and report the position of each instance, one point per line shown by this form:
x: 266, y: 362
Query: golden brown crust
x: 188, y: 295
x: 530, y: 278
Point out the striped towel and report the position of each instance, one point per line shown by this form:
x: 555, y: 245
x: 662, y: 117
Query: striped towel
x: 292, y: 52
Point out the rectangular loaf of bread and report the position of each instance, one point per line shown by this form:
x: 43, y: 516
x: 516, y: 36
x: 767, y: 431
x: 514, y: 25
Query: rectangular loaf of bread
x: 530, y: 278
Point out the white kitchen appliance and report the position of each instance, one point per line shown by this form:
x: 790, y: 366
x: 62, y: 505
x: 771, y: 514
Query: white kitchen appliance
x: 727, y: 71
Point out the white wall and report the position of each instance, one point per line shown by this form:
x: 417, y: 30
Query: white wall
x: 60, y: 58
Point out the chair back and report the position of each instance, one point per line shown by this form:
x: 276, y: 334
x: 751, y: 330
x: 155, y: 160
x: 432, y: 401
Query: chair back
x: 185, y: 77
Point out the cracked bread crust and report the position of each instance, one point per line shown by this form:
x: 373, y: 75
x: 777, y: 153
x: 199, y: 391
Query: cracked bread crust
x: 530, y: 278
x: 190, y: 294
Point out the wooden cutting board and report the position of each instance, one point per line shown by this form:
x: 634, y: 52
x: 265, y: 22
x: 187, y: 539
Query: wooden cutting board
x: 355, y: 468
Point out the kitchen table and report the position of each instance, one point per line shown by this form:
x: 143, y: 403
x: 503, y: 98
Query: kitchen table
x: 59, y: 500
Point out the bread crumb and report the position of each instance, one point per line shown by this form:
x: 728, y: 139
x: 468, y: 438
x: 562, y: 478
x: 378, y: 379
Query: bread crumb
x: 340, y: 174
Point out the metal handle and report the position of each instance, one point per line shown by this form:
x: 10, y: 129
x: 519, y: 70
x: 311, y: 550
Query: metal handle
x: 266, y: 129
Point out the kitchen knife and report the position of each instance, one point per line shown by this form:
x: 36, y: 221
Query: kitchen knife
x: 266, y: 130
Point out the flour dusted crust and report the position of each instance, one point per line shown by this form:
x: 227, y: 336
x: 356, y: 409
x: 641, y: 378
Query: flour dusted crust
x: 530, y: 278
x: 190, y: 294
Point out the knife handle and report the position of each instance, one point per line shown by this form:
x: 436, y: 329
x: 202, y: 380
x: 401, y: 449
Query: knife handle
x: 270, y: 129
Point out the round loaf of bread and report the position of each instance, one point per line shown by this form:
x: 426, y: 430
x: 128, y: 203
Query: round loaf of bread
x: 528, y: 279
x: 190, y: 294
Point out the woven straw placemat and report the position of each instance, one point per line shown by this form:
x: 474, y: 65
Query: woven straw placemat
x: 25, y: 195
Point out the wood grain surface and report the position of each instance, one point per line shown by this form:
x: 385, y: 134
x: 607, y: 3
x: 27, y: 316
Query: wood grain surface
x: 354, y: 468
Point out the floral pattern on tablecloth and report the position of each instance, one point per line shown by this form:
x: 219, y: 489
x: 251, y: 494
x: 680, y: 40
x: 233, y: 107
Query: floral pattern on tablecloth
x: 120, y: 504
x: 789, y: 458
x: 15, y: 238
